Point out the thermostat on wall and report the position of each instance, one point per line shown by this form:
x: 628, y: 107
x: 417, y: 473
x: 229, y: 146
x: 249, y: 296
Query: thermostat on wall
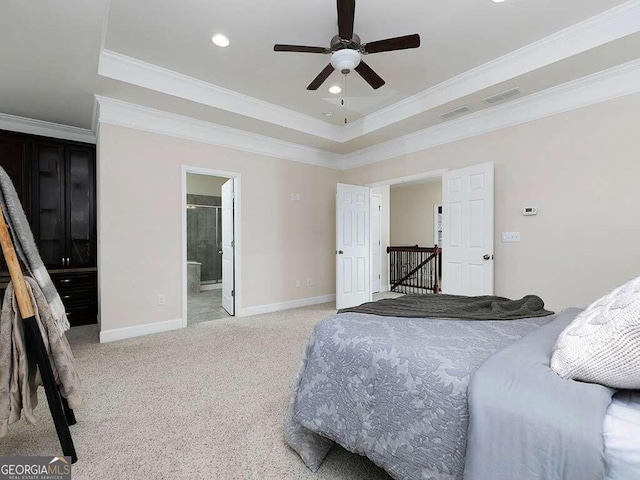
x: 529, y: 211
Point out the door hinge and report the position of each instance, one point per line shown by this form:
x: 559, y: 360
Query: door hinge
x: 233, y: 244
x: 233, y: 293
x: 378, y: 242
x: 379, y: 208
x: 379, y: 276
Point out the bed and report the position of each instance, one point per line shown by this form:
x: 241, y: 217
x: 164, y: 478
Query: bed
x: 447, y: 399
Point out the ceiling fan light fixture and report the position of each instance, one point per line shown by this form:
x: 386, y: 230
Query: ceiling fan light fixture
x: 220, y: 40
x: 335, y: 89
x: 346, y: 49
x: 345, y: 60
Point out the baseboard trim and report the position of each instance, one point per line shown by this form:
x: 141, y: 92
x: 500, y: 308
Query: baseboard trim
x: 139, y: 330
x: 210, y: 286
x: 276, y: 307
x: 385, y: 288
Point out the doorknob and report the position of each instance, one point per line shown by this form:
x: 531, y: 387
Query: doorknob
x: 486, y: 257
x: 340, y: 252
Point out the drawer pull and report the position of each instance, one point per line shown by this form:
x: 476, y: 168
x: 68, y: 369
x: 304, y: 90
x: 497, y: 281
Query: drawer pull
x: 65, y: 297
x: 65, y: 280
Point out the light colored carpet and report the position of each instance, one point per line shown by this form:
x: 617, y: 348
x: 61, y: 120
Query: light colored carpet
x: 205, y: 402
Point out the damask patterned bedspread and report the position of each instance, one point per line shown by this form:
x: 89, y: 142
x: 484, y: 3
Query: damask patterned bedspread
x: 393, y: 389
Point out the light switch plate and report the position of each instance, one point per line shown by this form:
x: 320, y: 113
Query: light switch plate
x: 510, y: 237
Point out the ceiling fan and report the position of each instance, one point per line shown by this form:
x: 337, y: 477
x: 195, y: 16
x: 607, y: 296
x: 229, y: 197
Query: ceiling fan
x: 346, y: 49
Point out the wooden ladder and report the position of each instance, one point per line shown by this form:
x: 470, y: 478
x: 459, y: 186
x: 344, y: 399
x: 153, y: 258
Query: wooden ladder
x: 62, y: 415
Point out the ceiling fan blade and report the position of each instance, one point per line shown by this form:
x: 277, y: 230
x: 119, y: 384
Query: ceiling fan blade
x: 319, y: 80
x: 371, y: 77
x: 299, y: 48
x: 346, y: 17
x: 390, y: 44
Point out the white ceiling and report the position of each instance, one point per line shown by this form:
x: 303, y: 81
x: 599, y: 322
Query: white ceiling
x: 176, y: 35
x: 50, y: 70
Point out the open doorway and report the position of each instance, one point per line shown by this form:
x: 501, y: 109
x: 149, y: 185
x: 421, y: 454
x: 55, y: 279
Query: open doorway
x: 404, y: 216
x: 460, y: 216
x: 208, y: 245
x: 448, y: 209
x: 406, y: 235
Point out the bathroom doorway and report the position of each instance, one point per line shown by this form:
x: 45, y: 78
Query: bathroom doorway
x: 209, y: 245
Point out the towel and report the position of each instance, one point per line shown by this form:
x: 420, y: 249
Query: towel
x: 19, y: 376
x: 27, y: 250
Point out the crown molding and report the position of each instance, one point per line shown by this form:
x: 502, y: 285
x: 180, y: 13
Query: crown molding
x: 136, y: 72
x: 602, y: 86
x: 606, y: 27
x: 14, y: 123
x: 125, y: 114
x: 606, y: 85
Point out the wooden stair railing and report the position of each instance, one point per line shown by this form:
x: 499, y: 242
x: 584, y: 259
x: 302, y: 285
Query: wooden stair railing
x: 415, y: 269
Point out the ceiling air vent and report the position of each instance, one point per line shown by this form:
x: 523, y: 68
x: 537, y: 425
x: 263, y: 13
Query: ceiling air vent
x: 456, y: 113
x: 501, y: 97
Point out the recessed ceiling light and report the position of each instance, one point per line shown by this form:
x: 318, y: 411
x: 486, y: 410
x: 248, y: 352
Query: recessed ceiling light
x: 328, y: 114
x: 498, y: 1
x: 335, y: 89
x: 220, y: 40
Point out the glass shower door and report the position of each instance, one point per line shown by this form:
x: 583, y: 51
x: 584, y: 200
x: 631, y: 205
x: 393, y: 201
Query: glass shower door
x: 204, y: 240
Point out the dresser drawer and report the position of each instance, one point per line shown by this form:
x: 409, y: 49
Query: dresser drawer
x: 79, y: 298
x: 79, y: 294
x: 82, y: 316
x: 72, y: 281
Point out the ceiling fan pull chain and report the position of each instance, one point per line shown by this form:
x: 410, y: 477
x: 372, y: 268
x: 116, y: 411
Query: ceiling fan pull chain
x: 344, y: 96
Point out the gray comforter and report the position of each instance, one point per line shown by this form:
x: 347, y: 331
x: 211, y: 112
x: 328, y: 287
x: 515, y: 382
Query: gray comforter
x: 527, y: 422
x: 393, y: 389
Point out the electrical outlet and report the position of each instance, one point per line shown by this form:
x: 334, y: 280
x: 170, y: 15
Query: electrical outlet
x: 297, y: 283
x: 295, y: 197
x: 311, y: 282
x: 162, y: 300
x: 510, y: 237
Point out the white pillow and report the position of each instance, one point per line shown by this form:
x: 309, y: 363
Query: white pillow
x: 621, y: 432
x: 602, y: 344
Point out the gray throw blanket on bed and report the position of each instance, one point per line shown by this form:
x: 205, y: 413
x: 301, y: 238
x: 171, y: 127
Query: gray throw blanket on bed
x: 19, y: 377
x: 25, y: 246
x: 455, y: 306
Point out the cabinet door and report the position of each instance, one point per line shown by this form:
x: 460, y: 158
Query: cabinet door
x: 14, y: 160
x: 49, y: 204
x: 79, y: 188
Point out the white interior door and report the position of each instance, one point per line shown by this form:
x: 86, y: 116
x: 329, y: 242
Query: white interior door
x: 467, y: 250
x: 376, y: 258
x: 228, y: 245
x: 353, y: 281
